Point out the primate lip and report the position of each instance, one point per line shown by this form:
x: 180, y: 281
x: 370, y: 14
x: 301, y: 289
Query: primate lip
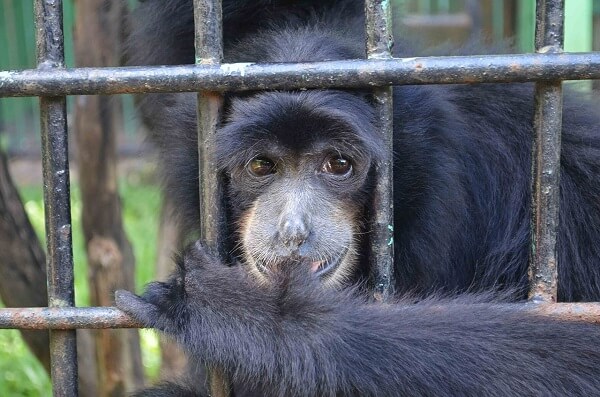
x: 324, y: 267
x: 320, y: 268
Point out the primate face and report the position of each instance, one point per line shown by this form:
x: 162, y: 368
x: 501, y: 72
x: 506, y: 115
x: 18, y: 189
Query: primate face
x: 298, y: 166
x: 302, y: 208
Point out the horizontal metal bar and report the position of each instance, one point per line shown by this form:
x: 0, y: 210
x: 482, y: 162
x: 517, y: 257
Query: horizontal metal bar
x: 65, y: 318
x: 346, y: 73
x: 111, y: 317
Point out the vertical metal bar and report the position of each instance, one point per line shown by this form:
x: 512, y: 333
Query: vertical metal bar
x: 209, y: 51
x: 546, y: 158
x: 55, y: 161
x: 379, y: 46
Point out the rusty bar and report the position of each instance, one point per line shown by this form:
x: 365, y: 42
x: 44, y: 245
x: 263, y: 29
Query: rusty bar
x: 62, y: 318
x: 209, y: 51
x: 55, y: 162
x: 546, y: 158
x: 379, y: 46
x: 345, y: 73
x: 588, y: 312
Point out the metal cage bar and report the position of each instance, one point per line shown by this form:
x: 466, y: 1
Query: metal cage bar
x: 378, y: 16
x: 546, y: 158
x: 55, y: 162
x: 65, y: 318
x: 347, y: 73
x: 111, y: 317
x: 209, y: 51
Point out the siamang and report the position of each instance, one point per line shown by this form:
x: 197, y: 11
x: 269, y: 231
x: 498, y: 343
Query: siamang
x: 288, y: 317
x: 293, y: 336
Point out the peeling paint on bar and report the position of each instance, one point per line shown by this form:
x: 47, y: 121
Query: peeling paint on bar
x: 236, y: 68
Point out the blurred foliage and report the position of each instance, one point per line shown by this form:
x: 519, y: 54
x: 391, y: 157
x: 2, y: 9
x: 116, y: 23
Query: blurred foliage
x: 20, y: 372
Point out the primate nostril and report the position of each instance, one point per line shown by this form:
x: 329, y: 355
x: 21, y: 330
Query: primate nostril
x: 295, y: 240
x: 294, y: 233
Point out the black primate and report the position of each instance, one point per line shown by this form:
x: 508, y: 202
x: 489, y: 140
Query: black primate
x: 298, y: 169
x: 295, y: 337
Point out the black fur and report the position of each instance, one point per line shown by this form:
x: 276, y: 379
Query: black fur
x: 462, y: 167
x: 294, y: 337
x: 461, y: 191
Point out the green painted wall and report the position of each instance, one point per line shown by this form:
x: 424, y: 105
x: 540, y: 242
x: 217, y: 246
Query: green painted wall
x: 578, y: 25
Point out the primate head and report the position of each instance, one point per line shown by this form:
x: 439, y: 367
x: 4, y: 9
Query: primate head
x: 299, y: 168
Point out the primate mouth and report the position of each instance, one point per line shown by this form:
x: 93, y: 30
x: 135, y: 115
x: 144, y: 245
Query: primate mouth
x: 321, y: 268
x: 325, y: 267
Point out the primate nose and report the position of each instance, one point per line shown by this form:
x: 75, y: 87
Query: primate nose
x: 294, y: 230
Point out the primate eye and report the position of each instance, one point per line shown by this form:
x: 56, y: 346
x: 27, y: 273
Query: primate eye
x: 337, y: 165
x: 261, y: 166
